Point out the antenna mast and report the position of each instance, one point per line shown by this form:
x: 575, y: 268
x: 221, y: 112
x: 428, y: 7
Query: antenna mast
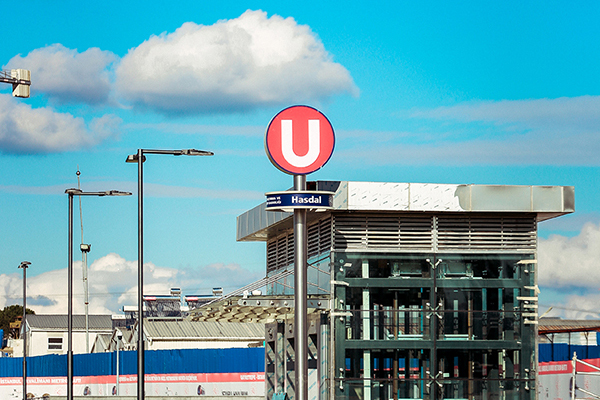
x: 85, y: 248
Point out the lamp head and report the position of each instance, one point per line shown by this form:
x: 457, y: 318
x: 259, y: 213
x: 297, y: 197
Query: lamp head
x: 73, y: 191
x: 116, y: 193
x: 194, y: 152
x: 133, y: 158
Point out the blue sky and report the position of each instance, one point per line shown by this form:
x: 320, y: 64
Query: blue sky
x: 505, y: 93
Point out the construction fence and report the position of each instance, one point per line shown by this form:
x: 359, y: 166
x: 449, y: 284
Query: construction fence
x: 180, y: 372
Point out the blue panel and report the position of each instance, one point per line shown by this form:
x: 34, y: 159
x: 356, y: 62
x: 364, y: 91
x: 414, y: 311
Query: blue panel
x: 561, y: 352
x: 545, y: 352
x: 94, y: 364
x: 50, y: 365
x: 10, y: 367
x: 157, y: 362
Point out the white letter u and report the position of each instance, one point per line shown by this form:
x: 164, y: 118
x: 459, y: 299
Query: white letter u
x: 287, y: 143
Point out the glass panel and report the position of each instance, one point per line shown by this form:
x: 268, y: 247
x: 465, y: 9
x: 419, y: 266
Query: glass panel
x: 413, y: 323
x: 384, y: 265
x: 388, y: 324
x: 394, y: 374
x: 480, y: 266
x: 391, y: 314
x: 481, y: 374
x: 383, y: 389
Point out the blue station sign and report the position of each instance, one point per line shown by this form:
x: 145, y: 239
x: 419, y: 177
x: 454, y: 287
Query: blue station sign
x: 290, y: 200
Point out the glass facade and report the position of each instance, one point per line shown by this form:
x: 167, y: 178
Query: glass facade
x: 434, y: 325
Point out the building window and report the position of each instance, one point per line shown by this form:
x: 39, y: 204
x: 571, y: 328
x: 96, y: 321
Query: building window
x: 55, y: 344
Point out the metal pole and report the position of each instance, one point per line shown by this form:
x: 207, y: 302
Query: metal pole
x: 70, y: 305
x: 24, y: 266
x: 300, y: 298
x: 87, y: 300
x: 118, y: 343
x: 140, y: 338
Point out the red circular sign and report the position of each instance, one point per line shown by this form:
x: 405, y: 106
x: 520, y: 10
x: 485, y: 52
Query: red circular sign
x: 299, y: 140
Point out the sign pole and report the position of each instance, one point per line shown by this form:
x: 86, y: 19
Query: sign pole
x: 300, y: 295
x: 299, y: 141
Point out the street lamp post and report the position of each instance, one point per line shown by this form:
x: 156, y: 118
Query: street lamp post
x: 139, y: 158
x: 72, y: 193
x: 118, y: 336
x: 24, y: 265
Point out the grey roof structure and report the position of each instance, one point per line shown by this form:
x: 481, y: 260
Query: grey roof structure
x: 59, y: 322
x: 205, y: 330
x: 102, y: 343
x: 546, y: 202
x: 245, y: 310
x: 557, y: 325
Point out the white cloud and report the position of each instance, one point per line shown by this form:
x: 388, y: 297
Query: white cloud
x: 563, y: 131
x: 24, y: 129
x: 571, y: 222
x: 175, y: 128
x: 158, y: 190
x: 66, y: 75
x: 237, y: 64
x: 554, y: 114
x: 580, y: 307
x: 150, y: 190
x: 571, y: 262
x: 113, y: 283
x: 535, y: 131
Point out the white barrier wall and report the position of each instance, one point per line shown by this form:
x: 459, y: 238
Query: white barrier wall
x: 554, y: 380
x: 212, y: 384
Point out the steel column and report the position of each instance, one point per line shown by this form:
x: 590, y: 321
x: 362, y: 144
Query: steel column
x: 70, y: 305
x: 140, y: 338
x: 24, y: 326
x: 300, y: 295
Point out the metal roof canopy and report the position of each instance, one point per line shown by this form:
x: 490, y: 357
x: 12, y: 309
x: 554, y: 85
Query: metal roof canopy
x: 59, y: 322
x: 245, y: 310
x: 556, y: 325
x: 545, y: 201
x: 205, y: 330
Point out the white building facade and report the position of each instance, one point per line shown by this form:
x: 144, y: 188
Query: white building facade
x: 47, y: 334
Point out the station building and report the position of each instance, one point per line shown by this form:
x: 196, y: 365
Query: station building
x: 416, y: 291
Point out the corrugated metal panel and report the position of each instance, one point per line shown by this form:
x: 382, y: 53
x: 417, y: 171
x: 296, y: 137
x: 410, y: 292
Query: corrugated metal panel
x: 472, y: 232
x: 319, y: 237
x: 556, y: 325
x: 56, y: 321
x: 350, y: 231
x: 205, y: 329
x: 280, y: 250
x: 434, y: 233
x: 383, y: 231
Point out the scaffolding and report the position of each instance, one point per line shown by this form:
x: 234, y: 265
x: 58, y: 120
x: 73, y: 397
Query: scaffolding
x: 573, y: 386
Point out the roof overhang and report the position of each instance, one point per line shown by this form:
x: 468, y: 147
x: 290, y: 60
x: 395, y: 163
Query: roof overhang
x: 549, y: 326
x: 545, y: 202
